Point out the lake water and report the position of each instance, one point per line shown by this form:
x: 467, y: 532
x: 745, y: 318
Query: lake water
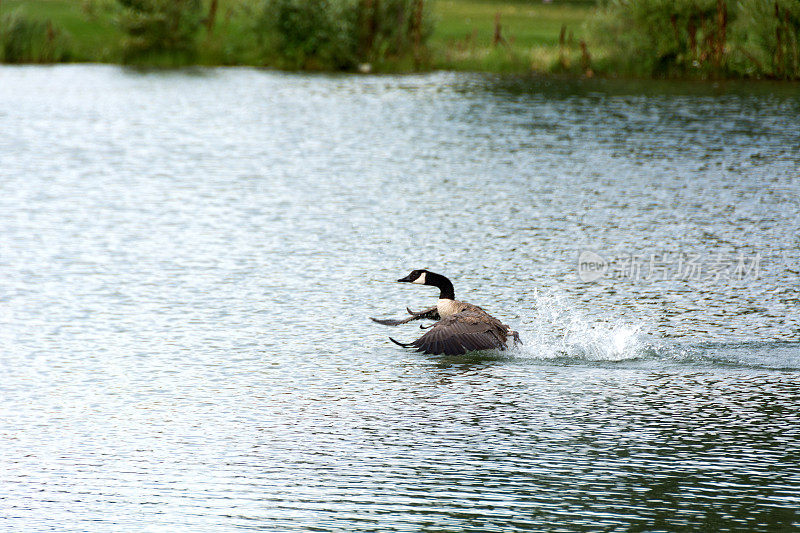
x: 188, y: 261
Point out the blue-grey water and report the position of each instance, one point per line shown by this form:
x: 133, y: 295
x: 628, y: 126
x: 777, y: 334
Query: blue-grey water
x: 188, y: 261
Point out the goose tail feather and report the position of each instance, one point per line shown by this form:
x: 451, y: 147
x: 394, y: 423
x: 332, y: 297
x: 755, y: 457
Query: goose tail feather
x: 400, y: 343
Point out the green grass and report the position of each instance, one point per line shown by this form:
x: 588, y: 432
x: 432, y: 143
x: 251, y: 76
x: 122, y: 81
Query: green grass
x: 464, y: 34
x: 462, y: 38
x: 523, y: 24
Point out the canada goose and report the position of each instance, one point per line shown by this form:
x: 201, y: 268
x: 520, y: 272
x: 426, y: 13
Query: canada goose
x: 461, y: 327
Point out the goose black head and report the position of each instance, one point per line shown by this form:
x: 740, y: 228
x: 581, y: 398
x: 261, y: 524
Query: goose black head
x: 416, y: 276
x: 426, y: 277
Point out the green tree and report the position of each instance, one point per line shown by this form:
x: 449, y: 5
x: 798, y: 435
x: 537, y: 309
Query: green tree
x: 160, y: 29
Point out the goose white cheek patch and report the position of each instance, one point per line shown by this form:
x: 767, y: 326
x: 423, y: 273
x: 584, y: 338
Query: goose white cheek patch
x: 420, y: 280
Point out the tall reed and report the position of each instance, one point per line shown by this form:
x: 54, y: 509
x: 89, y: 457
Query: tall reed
x: 25, y: 40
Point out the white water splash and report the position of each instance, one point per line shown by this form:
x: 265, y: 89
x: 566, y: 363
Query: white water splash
x: 558, y: 330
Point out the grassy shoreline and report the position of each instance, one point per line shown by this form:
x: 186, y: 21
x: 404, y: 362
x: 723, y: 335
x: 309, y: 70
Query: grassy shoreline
x: 567, y: 37
x: 463, y: 38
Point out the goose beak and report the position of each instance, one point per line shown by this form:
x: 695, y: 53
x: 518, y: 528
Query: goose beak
x: 406, y: 279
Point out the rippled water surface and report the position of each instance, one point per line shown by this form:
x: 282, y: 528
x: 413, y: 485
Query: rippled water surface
x: 189, y: 260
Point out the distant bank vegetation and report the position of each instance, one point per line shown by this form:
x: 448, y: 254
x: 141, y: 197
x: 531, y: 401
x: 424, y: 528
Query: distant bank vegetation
x: 700, y: 38
x: 647, y: 38
x: 292, y: 34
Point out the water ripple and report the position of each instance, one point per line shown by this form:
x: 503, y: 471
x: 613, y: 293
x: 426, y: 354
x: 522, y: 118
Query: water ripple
x: 189, y: 260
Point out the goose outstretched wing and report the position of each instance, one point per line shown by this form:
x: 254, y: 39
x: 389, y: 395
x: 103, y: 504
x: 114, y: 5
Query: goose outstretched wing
x: 461, y: 333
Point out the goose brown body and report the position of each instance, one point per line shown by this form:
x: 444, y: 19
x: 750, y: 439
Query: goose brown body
x: 461, y: 327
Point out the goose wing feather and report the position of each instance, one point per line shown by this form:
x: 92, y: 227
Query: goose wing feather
x: 463, y: 332
x: 430, y: 314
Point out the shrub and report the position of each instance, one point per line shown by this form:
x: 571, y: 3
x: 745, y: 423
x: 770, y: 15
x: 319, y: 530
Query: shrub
x: 666, y: 37
x: 309, y: 32
x: 703, y: 38
x: 24, y: 40
x: 768, y: 36
x: 341, y: 34
x: 160, y: 29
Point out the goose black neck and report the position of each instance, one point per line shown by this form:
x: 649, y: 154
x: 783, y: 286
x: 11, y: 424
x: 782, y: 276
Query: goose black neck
x: 444, y: 285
